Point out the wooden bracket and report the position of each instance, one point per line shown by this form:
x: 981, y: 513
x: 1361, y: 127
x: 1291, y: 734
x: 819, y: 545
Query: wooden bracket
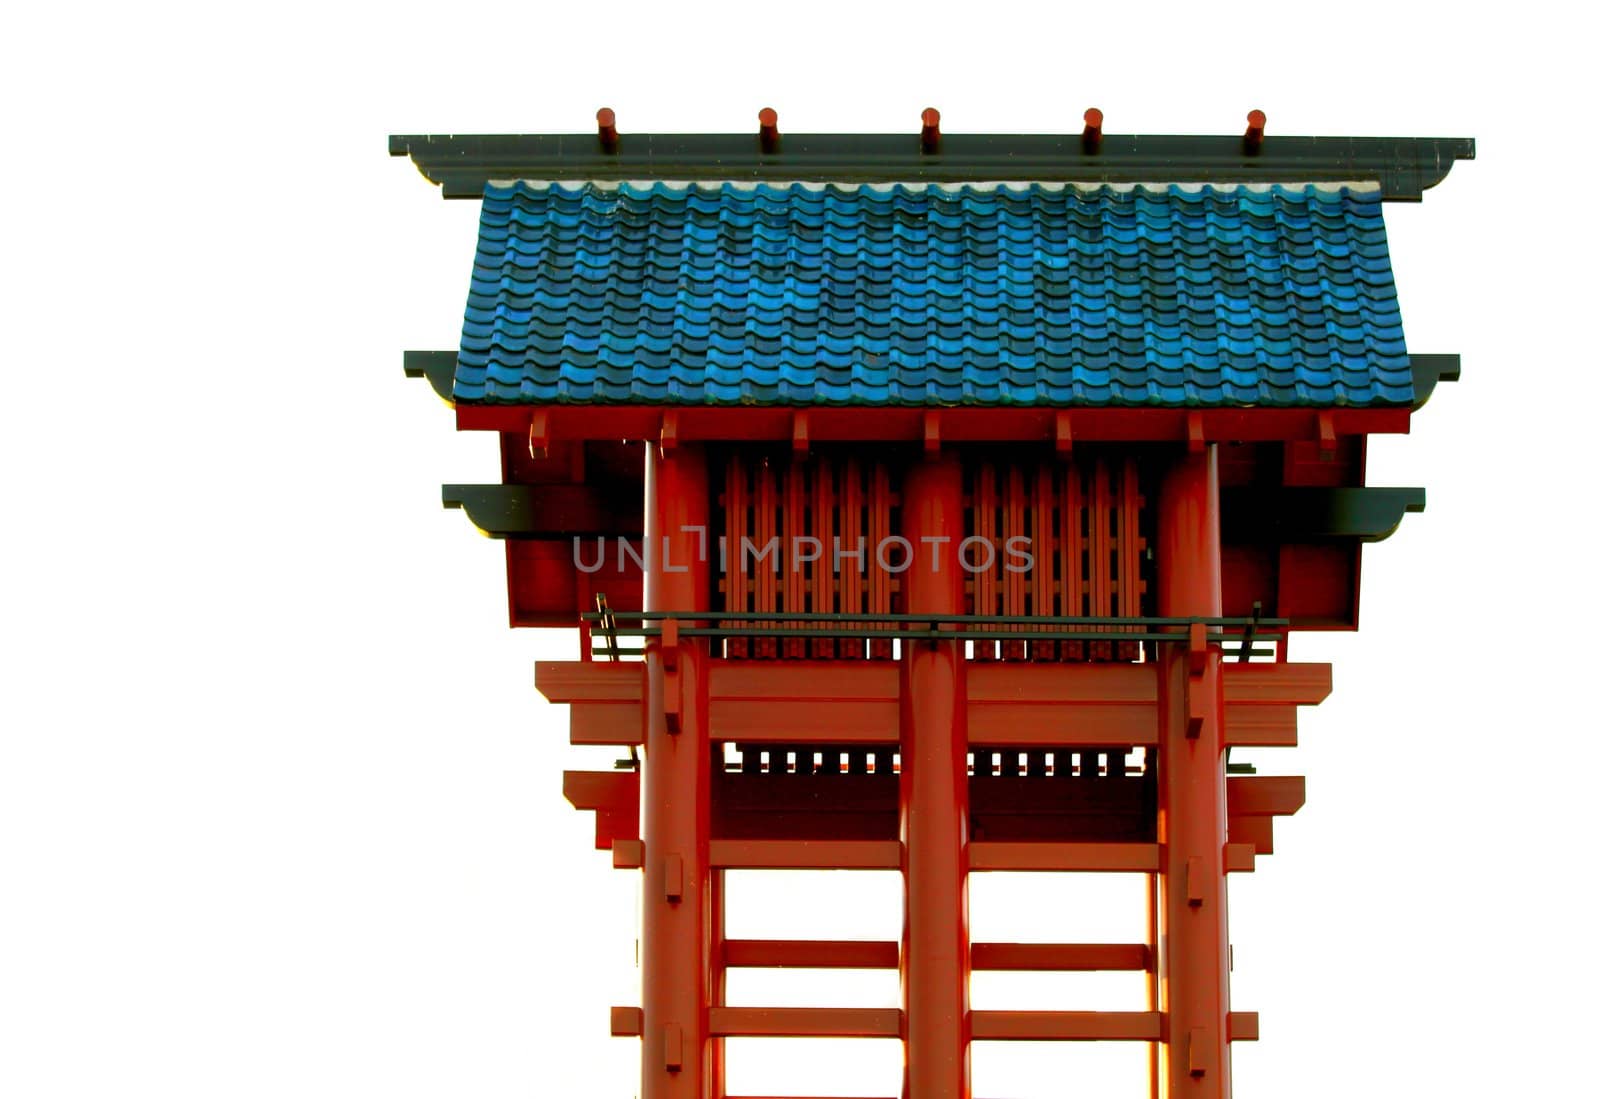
x: 1326, y: 440
x: 627, y: 1022
x: 669, y: 431
x: 671, y: 681
x: 1197, y: 699
x: 1200, y: 1051
x: 672, y: 700
x: 1064, y: 433
x: 539, y: 433
x: 669, y: 644
x: 672, y: 1047
x: 1244, y: 1026
x: 672, y: 878
x: 802, y: 433
x: 627, y: 854
x: 1197, y: 433
x: 1199, y: 646
x: 930, y: 434
x: 1194, y: 881
x: 1199, y: 705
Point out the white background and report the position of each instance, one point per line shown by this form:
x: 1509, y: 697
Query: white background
x: 280, y: 811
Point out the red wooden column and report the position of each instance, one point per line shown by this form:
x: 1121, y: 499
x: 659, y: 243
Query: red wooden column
x: 935, y: 953
x: 676, y: 907
x: 1192, y: 909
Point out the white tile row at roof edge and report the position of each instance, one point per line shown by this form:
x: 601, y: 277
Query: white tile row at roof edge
x: 1360, y: 186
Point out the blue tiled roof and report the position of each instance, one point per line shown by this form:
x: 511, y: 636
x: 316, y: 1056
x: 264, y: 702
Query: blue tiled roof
x: 808, y: 294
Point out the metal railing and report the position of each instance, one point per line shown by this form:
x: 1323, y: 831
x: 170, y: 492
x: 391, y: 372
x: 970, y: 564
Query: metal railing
x: 608, y: 627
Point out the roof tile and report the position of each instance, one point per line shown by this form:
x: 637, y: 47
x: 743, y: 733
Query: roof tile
x: 932, y: 295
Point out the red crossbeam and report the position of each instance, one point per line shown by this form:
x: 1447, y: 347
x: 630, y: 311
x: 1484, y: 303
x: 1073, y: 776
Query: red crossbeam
x: 1067, y: 1026
x: 858, y: 954
x: 805, y: 1022
x: 1087, y: 857
x: 806, y: 854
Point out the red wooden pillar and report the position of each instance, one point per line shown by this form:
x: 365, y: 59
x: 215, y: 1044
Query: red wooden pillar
x: 717, y: 1085
x: 676, y: 907
x: 1192, y: 910
x: 935, y: 952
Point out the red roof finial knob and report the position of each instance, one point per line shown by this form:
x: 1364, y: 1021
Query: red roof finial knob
x: 769, y: 130
x: 606, y: 120
x: 1093, y: 119
x: 1255, y: 132
x: 930, y: 130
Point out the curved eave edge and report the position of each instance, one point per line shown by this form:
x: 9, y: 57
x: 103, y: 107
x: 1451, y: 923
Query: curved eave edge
x: 1273, y: 515
x: 499, y: 511
x: 1403, y: 166
x: 1316, y: 514
x: 439, y: 368
x: 1427, y: 371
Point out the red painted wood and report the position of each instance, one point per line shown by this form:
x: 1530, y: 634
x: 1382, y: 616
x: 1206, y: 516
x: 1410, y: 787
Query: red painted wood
x: 1265, y: 795
x: 1067, y: 1026
x: 825, y: 592
x: 1061, y: 957
x: 934, y: 811
x: 1046, y: 566
x: 675, y: 912
x: 805, y: 854
x: 1074, y: 592
x: 805, y: 1022
x: 1193, y: 963
x: 736, y: 526
x: 956, y: 425
x: 1264, y: 682
x: 811, y: 954
x: 1013, y: 581
x: 1079, y: 857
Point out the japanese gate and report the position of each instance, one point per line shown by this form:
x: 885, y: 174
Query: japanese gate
x: 940, y: 504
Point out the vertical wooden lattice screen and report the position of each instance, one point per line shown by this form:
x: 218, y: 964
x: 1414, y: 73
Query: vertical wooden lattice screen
x: 1080, y: 526
x: 808, y: 537
x: 821, y: 535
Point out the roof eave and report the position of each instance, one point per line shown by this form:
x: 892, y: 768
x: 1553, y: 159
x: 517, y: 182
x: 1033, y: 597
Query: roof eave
x: 1403, y: 167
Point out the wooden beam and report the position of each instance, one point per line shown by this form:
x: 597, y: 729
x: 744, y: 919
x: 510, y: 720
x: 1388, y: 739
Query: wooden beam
x: 1067, y: 1026
x: 613, y: 797
x: 1260, y: 700
x: 1061, y: 705
x: 806, y: 854
x: 805, y: 702
x: 805, y: 1022
x: 607, y: 699
x: 1061, y: 957
x: 1265, y: 795
x: 1268, y: 682
x: 1041, y: 855
x: 1260, y: 725
x: 810, y: 954
x: 860, y: 954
